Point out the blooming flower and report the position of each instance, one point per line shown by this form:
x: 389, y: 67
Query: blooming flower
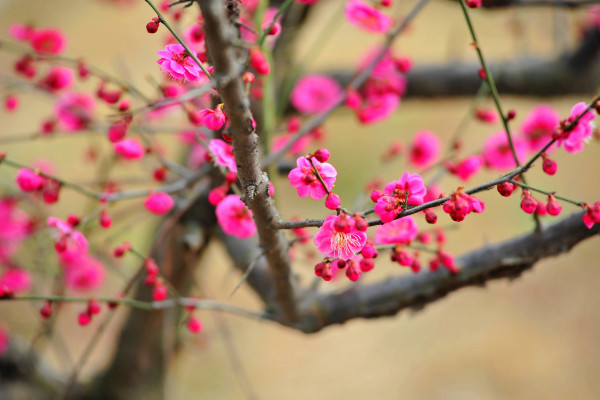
x: 48, y: 41
x: 409, y: 189
x: 461, y: 204
x: 178, y: 64
x: 498, y: 154
x: 159, y: 203
x: 305, y: 180
x: 425, y: 149
x: 213, y: 119
x: 14, y: 227
x: 83, y: 272
x: 222, y: 154
x: 574, y: 139
x: 538, y: 127
x: 28, y: 180
x: 16, y: 280
x: 467, y: 167
x: 130, y: 149
x: 336, y: 244
x: 314, y: 94
x: 592, y: 215
x: 58, y: 78
x: 74, y: 111
x: 235, y: 218
x: 377, y: 108
x: 367, y: 17
x: 402, y: 230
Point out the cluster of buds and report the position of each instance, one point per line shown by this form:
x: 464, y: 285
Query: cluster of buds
x: 217, y: 194
x: 122, y: 249
x: 160, y: 290
x: 443, y: 259
x: 85, y: 317
x: 30, y: 181
x: 460, y: 204
x: 405, y: 258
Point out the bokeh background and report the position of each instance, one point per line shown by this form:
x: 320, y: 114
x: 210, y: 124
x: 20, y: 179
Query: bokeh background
x: 535, y: 337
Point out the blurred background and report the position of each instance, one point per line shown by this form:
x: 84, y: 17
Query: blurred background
x: 535, y: 337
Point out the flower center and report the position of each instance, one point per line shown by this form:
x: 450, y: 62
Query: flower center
x: 342, y: 243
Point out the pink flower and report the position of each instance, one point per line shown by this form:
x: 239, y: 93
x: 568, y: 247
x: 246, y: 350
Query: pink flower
x: 498, y: 154
x: 314, y: 94
x: 130, y: 149
x: 69, y: 242
x: 159, y: 203
x: 48, y: 41
x: 83, y: 272
x: 235, y: 218
x: 177, y: 63
x: 409, y: 189
x: 305, y: 180
x: 222, y: 154
x: 213, y: 119
x: 467, y: 167
x: 592, y: 215
x: 279, y: 141
x: 15, y: 279
x: 425, y: 149
x: 197, y: 156
x: 461, y: 204
x: 14, y: 227
x: 538, y: 127
x: 402, y: 230
x: 575, y: 138
x: 74, y: 111
x: 486, y: 115
x: 336, y: 244
x: 21, y: 32
x: 377, y: 108
x: 28, y: 180
x: 367, y: 17
x: 58, y: 78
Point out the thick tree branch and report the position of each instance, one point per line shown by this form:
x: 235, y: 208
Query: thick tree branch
x: 219, y: 36
x: 506, y: 259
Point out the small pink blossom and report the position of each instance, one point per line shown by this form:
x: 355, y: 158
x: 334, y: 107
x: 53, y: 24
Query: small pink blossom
x: 592, y: 215
x: 83, y: 272
x: 538, y: 127
x: 58, y: 78
x: 498, y: 154
x: 74, y: 111
x: 314, y: 94
x: 11, y: 102
x: 222, y: 154
x: 28, y: 180
x: 467, y: 167
x: 402, y: 230
x: 409, y: 189
x: 279, y: 141
x: 377, y: 108
x: 197, y: 156
x: 21, y: 32
x: 235, y: 218
x: 48, y: 41
x: 305, y: 180
x: 15, y: 279
x: 130, y: 149
x: 14, y: 227
x: 69, y: 242
x: 486, y: 115
x: 425, y: 149
x: 367, y: 17
x: 574, y: 139
x: 178, y: 64
x: 336, y: 244
x: 159, y: 203
x: 213, y: 119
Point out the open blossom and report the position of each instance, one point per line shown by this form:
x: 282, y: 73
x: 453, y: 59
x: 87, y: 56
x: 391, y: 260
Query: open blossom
x: 336, y: 244
x: 574, y: 139
x: 21, y: 32
x: 48, y: 41
x: 409, y: 189
x: 467, y: 167
x: 74, y: 111
x: 498, y: 154
x: 377, y: 108
x: 178, y: 64
x: 222, y: 154
x: 367, y: 17
x: 425, y: 149
x: 592, y: 215
x: 15, y: 279
x: 305, y: 180
x: 159, y: 203
x: 14, y: 227
x: 235, y: 218
x: 538, y: 127
x: 130, y: 149
x: 213, y: 119
x: 69, y: 242
x: 402, y: 230
x: 83, y: 272
x: 28, y: 180
x: 314, y: 94
x: 280, y: 140
x: 58, y: 78
x: 197, y: 156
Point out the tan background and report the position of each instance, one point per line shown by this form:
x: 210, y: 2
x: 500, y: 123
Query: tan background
x: 536, y: 337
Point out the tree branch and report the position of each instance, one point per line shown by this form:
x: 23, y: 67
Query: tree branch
x: 507, y: 259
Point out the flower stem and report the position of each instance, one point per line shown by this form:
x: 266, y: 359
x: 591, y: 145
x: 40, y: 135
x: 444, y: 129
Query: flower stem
x: 528, y: 187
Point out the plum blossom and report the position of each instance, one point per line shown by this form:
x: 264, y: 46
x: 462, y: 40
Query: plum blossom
x: 16, y: 280
x: 409, y: 189
x: 467, y: 167
x: 592, y: 215
x: 235, y: 218
x: 538, y: 127
x: 425, y: 149
x: 367, y: 17
x: 58, y: 78
x: 461, y: 204
x: 178, y: 64
x: 279, y: 141
x: 314, y: 94
x: 222, y: 154
x: 574, y: 139
x: 344, y: 245
x: 402, y: 230
x: 213, y: 119
x: 159, y: 203
x: 305, y: 180
x: 83, y: 272
x: 130, y: 149
x: 498, y: 154
x: 48, y: 41
x: 74, y: 111
x: 14, y: 227
x: 377, y: 108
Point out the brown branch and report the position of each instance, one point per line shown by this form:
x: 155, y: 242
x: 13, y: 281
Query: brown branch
x: 508, y: 259
x: 219, y: 36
